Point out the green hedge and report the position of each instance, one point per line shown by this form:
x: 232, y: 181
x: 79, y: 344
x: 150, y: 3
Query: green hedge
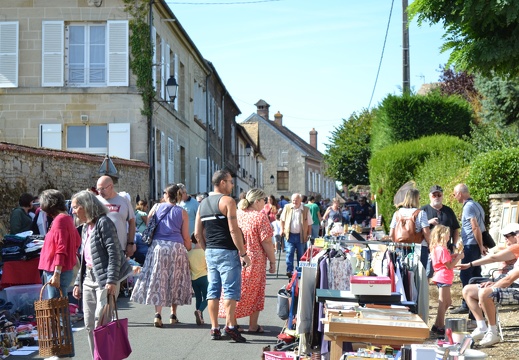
x: 409, y: 117
x: 494, y: 172
x: 438, y: 159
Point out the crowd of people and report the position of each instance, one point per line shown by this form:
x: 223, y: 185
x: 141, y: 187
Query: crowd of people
x: 220, y: 249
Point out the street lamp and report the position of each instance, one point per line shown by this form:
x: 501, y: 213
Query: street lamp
x: 272, y: 179
x: 248, y: 149
x: 172, y: 88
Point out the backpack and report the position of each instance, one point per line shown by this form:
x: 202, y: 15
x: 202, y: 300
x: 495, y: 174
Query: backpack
x: 405, y: 229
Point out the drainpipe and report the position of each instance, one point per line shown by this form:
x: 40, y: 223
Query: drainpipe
x: 151, y: 147
x: 207, y: 142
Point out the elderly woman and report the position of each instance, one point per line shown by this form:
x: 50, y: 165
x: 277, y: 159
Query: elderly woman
x: 165, y: 278
x: 58, y: 255
x: 103, y: 263
x: 257, y: 234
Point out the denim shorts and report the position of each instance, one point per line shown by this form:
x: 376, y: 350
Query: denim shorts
x: 440, y: 285
x: 223, y: 270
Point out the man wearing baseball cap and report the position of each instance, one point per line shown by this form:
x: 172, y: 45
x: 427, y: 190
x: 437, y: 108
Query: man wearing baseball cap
x: 439, y: 214
x: 481, y: 298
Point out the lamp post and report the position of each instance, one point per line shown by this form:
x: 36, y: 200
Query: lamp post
x: 272, y: 179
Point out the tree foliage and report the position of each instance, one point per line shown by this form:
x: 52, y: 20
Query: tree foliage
x: 500, y: 102
x: 482, y: 34
x: 349, y: 151
x: 459, y: 83
x: 409, y: 117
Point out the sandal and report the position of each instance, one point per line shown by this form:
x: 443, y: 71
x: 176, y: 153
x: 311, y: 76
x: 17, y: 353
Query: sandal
x: 173, y: 319
x: 157, y: 322
x: 259, y: 330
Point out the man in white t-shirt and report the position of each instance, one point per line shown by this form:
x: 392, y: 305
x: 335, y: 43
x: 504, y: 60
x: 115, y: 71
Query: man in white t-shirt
x: 120, y: 212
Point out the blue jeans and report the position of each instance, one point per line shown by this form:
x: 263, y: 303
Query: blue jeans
x: 200, y: 290
x: 64, y: 283
x: 223, y: 270
x: 292, y: 245
x: 471, y: 253
x: 315, y: 231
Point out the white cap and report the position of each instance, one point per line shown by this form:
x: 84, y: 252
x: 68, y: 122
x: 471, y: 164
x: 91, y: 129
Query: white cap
x: 510, y: 228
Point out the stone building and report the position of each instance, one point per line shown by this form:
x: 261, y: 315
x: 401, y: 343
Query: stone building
x: 66, y: 84
x: 291, y: 164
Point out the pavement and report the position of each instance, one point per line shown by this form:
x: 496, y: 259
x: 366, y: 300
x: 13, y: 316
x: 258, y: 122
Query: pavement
x: 187, y: 340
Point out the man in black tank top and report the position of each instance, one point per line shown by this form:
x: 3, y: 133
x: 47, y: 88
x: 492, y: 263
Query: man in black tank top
x: 216, y: 228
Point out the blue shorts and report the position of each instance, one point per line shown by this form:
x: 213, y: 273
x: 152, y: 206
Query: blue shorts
x: 440, y: 285
x: 223, y: 270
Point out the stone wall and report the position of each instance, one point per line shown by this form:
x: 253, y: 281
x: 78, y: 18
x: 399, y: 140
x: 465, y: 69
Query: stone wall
x: 496, y: 202
x: 32, y: 170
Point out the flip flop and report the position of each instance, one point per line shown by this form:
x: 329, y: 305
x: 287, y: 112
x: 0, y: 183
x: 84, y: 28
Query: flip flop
x: 259, y: 330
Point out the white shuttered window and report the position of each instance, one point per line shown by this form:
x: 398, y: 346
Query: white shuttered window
x: 9, y: 54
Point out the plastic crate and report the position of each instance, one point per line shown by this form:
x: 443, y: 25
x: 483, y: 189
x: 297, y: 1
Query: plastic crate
x: 22, y: 297
x: 278, y: 355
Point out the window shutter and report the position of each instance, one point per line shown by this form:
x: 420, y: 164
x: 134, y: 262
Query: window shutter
x: 154, y: 57
x: 52, y: 53
x: 171, y: 161
x: 178, y: 80
x: 167, y: 71
x: 202, y: 175
x: 50, y: 136
x: 162, y: 160
x: 162, y: 69
x: 119, y: 140
x: 9, y: 54
x: 118, y: 57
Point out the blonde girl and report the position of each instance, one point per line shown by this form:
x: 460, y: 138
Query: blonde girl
x: 443, y: 265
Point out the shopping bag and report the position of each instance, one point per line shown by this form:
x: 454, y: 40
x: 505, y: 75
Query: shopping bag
x: 111, y: 340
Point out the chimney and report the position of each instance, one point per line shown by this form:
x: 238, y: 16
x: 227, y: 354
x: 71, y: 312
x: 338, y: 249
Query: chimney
x: 262, y: 109
x: 313, y: 138
x: 278, y: 118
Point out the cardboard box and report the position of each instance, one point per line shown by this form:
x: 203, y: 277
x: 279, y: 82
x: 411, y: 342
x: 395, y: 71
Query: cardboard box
x: 370, y: 285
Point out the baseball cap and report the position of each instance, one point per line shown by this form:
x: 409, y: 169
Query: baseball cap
x: 510, y: 228
x: 435, y: 188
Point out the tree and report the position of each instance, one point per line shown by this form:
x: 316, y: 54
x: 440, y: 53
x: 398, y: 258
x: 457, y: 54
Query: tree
x: 349, y: 151
x: 500, y: 102
x: 482, y: 34
x: 460, y: 83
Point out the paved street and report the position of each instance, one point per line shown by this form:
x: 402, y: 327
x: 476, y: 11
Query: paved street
x: 187, y: 340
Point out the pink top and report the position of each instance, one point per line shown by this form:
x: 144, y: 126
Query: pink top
x: 60, y: 245
x: 87, y: 250
x: 440, y: 256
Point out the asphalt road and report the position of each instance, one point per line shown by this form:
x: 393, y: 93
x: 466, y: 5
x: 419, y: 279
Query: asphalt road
x: 187, y: 340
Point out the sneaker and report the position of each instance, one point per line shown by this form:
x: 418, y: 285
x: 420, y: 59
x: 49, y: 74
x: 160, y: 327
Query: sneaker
x: 477, y: 334
x: 216, y: 334
x: 489, y: 339
x: 459, y: 310
x: 235, y: 335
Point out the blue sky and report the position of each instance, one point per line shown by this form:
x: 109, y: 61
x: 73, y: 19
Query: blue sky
x: 314, y: 61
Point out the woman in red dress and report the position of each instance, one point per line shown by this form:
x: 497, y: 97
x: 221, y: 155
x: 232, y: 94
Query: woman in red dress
x: 257, y: 234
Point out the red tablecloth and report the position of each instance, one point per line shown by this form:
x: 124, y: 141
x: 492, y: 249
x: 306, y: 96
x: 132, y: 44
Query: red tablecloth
x: 23, y: 272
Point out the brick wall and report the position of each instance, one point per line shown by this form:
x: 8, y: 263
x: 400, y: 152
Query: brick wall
x: 32, y: 170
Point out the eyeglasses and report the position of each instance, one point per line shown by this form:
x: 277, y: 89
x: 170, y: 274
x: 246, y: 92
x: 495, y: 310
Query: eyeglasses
x: 103, y: 188
x: 437, y: 195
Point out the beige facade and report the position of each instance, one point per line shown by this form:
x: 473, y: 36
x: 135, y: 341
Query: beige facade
x: 294, y: 165
x: 66, y: 84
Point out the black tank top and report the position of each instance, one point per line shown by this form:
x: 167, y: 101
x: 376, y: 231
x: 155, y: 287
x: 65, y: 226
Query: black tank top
x: 217, y: 234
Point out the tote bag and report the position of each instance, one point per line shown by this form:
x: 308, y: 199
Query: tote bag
x: 111, y: 340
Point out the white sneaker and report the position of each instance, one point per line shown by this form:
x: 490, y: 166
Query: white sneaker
x: 478, y: 334
x: 490, y: 339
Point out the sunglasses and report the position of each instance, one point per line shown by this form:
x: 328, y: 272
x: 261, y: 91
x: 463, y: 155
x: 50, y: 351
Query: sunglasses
x: 510, y: 235
x: 436, y: 195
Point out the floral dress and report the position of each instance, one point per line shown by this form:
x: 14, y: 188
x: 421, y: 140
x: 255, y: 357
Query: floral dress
x: 256, y: 229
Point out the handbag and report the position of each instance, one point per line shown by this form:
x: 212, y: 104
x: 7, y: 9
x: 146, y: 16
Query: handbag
x: 111, y: 340
x: 488, y: 241
x: 149, y: 232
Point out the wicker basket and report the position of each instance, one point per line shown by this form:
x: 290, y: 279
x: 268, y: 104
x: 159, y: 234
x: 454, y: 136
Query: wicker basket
x: 53, y: 324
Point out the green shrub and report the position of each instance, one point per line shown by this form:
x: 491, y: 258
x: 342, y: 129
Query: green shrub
x: 494, y: 172
x: 439, y: 159
x: 409, y: 117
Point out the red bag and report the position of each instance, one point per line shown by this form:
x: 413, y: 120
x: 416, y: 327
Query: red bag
x: 111, y: 340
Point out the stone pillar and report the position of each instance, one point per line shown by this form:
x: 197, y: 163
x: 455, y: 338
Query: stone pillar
x: 496, y: 202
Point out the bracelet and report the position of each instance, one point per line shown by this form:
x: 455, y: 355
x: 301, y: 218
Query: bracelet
x: 244, y: 254
x: 57, y: 271
x: 130, y: 243
x: 471, y: 264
